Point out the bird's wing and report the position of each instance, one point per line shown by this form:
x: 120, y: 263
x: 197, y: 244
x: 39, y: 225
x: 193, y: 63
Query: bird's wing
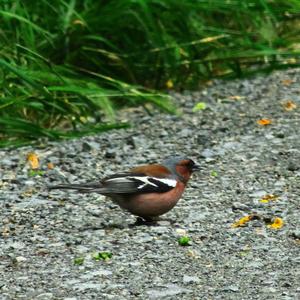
x: 131, y: 183
x: 124, y: 183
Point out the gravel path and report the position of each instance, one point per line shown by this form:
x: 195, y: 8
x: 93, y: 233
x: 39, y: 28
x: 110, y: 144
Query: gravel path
x: 42, y: 232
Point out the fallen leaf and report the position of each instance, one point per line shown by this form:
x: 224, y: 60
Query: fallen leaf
x: 214, y: 173
x: 242, y: 221
x: 276, y: 224
x: 36, y: 172
x: 78, y: 261
x: 199, y: 106
x: 169, y: 84
x: 102, y: 255
x: 33, y: 160
x: 287, y: 82
x: 289, y: 105
x: 264, y: 122
x: 50, y: 166
x: 184, y: 241
x: 268, y: 198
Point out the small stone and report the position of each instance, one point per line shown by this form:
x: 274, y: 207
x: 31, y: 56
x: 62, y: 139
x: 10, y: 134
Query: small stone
x: 239, y: 206
x: 42, y: 251
x: 293, y: 166
x: 86, y: 147
x: 29, y: 182
x: 190, y: 279
x: 96, y: 274
x: 159, y: 229
x: 279, y: 135
x: 110, y: 153
x: 207, y: 153
x: 8, y: 176
x: 184, y: 133
x: 231, y: 288
x: 295, y: 234
x: 89, y: 286
x: 197, y: 216
x: 163, y: 223
x: 44, y: 296
x: 167, y: 291
x: 269, y: 290
x: 20, y: 259
x: 258, y: 194
x: 181, y: 231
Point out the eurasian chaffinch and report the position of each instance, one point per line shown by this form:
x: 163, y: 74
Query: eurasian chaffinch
x: 146, y: 191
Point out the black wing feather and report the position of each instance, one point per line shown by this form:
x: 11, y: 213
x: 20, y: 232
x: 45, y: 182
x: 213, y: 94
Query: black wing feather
x: 124, y: 183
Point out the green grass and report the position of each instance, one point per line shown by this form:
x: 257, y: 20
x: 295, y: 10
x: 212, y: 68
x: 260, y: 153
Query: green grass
x: 66, y: 66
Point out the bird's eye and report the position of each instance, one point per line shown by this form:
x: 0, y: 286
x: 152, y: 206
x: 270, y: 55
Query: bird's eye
x: 187, y: 163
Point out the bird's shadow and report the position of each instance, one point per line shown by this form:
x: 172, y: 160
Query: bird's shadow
x: 140, y: 222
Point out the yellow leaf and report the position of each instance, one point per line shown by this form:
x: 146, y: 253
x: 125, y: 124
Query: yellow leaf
x: 264, y: 122
x: 50, y: 165
x: 263, y: 201
x: 242, y: 221
x: 33, y: 160
x: 268, y: 198
x: 277, y: 223
x: 289, y: 105
x: 287, y: 82
x: 169, y: 84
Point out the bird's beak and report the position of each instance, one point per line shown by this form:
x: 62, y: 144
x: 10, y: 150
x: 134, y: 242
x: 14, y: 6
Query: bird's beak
x: 195, y: 168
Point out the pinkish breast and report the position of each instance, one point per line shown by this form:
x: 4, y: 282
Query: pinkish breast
x: 151, y: 204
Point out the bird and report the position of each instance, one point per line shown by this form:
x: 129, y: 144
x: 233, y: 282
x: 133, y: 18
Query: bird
x: 146, y: 191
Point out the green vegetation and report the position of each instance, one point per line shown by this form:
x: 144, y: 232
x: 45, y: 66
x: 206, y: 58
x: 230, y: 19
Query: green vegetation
x: 67, y: 65
x: 184, y: 241
x: 78, y: 261
x: 102, y: 256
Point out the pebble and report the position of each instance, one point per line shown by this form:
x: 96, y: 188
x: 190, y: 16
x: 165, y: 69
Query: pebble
x: 240, y: 206
x: 190, y: 279
x: 167, y: 291
x: 44, y: 296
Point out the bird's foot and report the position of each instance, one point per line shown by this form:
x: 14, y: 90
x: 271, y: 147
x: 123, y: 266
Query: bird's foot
x: 145, y: 222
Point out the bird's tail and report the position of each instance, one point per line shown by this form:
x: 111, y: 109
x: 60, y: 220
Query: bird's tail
x: 83, y: 188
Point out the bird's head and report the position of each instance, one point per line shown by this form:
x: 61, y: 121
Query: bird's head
x: 181, y: 166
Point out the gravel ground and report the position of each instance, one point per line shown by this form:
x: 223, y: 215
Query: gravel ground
x: 43, y: 232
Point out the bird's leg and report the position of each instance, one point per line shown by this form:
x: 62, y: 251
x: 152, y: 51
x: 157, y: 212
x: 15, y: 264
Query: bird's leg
x: 145, y: 221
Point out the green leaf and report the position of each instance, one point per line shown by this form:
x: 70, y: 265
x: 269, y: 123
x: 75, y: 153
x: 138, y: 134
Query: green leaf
x: 78, y: 261
x: 184, y: 241
x: 214, y: 173
x: 102, y: 256
x: 33, y: 173
x: 199, y: 106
